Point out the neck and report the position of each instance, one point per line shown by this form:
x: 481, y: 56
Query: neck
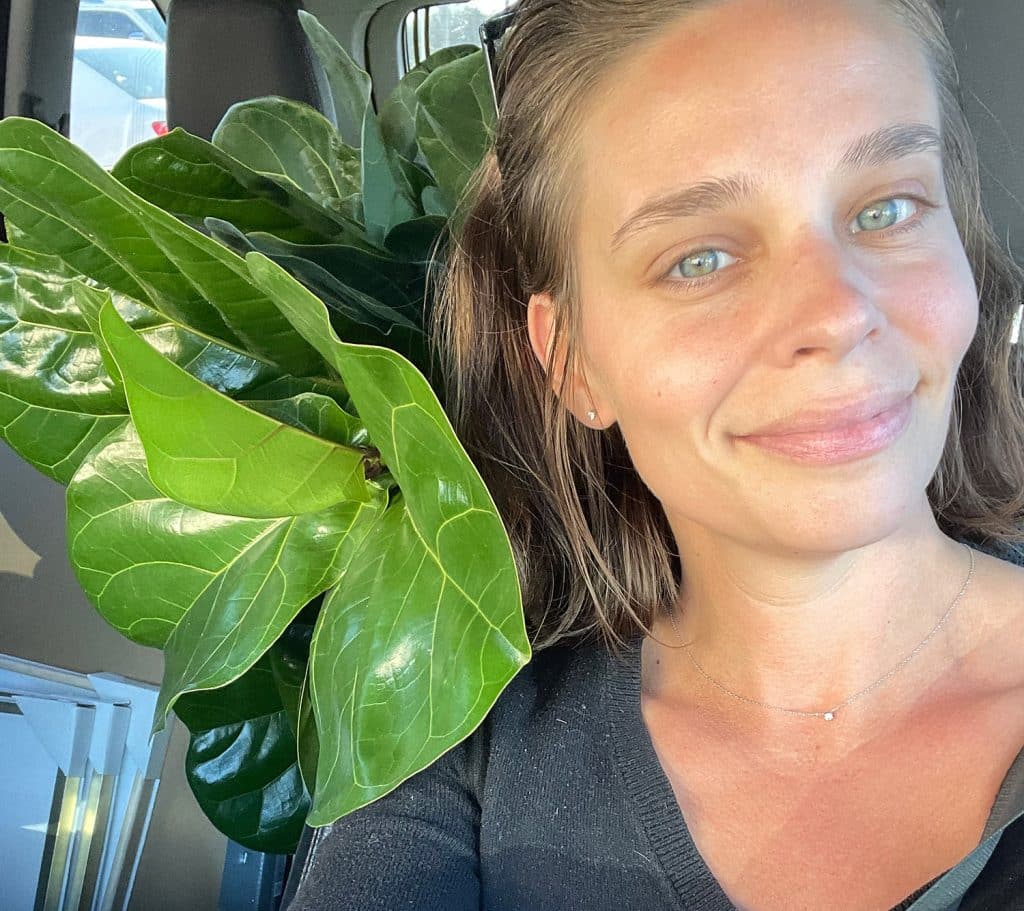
x: 807, y: 632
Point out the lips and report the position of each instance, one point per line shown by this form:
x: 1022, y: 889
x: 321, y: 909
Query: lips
x: 826, y: 418
x: 841, y: 440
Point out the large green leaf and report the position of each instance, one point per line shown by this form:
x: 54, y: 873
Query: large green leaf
x: 221, y: 589
x: 292, y: 142
x: 59, y: 397
x: 242, y: 763
x: 414, y: 648
x: 216, y: 641
x: 350, y: 84
x: 389, y: 197
x: 398, y: 113
x: 56, y: 399
x: 206, y: 450
x: 193, y: 179
x: 72, y: 208
x: 455, y: 122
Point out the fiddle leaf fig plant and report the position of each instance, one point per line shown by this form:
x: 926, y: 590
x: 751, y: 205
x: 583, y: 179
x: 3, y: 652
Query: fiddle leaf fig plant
x: 220, y: 349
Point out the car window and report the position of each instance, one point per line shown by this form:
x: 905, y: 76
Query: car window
x: 118, y: 78
x: 137, y: 69
x: 108, y: 24
x: 154, y: 20
x: 430, y: 28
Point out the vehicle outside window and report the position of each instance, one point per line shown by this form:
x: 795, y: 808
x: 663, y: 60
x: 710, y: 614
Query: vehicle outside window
x: 430, y: 28
x: 137, y: 19
x: 118, y: 97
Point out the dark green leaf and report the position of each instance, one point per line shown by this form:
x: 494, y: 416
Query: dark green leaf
x: 455, y: 122
x: 398, y: 113
x: 356, y: 315
x: 193, y: 180
x: 414, y: 648
x: 72, y: 208
x: 289, y: 658
x: 294, y: 144
x: 241, y: 762
x: 416, y: 241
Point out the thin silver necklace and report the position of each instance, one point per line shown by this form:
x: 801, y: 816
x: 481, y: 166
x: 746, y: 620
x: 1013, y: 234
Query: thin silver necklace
x: 831, y: 714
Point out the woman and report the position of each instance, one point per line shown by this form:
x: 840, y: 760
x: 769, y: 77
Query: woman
x: 728, y: 336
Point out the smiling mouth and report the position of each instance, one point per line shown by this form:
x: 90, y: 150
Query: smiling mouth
x: 840, y: 444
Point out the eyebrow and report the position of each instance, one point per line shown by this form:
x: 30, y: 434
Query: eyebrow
x: 708, y: 196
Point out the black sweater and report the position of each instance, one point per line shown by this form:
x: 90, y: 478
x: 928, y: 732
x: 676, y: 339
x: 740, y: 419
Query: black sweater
x: 558, y: 802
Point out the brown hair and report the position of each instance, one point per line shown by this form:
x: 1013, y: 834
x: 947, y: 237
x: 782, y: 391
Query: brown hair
x: 594, y: 550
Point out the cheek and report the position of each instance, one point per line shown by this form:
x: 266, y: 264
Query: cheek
x: 939, y: 308
x: 667, y: 384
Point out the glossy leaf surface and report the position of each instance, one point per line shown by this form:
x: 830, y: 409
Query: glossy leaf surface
x: 208, y: 451
x: 74, y: 209
x: 193, y: 179
x: 57, y: 400
x: 222, y: 589
x: 242, y: 763
x: 416, y: 645
x: 292, y: 142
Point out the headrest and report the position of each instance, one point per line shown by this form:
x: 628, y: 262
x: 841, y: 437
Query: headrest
x: 987, y: 39
x: 223, y: 51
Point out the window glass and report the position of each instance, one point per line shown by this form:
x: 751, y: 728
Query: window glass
x: 138, y: 69
x: 431, y: 28
x: 125, y: 19
x: 154, y: 20
x: 117, y: 79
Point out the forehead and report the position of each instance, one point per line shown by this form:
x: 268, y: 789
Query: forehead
x: 759, y: 86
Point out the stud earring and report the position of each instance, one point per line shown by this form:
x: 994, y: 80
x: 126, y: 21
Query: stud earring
x: 591, y: 416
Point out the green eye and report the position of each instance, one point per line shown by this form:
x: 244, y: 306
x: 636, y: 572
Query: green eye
x: 883, y: 214
x: 702, y: 262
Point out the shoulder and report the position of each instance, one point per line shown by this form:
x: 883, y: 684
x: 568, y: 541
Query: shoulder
x: 553, y: 697
x: 997, y: 655
x: 560, y: 678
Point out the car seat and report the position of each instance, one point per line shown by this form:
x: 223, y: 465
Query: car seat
x: 233, y: 50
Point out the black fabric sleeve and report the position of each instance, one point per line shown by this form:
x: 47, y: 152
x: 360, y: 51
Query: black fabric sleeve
x: 414, y: 849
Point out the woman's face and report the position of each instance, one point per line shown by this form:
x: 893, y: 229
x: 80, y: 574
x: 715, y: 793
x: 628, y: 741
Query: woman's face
x: 818, y: 267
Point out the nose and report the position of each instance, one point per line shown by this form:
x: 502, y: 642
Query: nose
x: 828, y: 305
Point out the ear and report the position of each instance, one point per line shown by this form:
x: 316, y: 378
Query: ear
x: 540, y: 321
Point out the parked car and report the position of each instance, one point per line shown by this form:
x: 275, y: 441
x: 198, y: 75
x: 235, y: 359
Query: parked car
x: 117, y: 95
x: 136, y: 19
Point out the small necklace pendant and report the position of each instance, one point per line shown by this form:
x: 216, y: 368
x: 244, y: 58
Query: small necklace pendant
x: 828, y: 716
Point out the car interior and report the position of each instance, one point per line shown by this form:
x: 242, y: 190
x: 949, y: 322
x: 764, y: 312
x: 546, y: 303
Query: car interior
x: 110, y: 74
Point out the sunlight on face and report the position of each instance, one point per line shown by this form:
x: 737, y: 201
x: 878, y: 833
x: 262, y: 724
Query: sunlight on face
x: 816, y: 271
